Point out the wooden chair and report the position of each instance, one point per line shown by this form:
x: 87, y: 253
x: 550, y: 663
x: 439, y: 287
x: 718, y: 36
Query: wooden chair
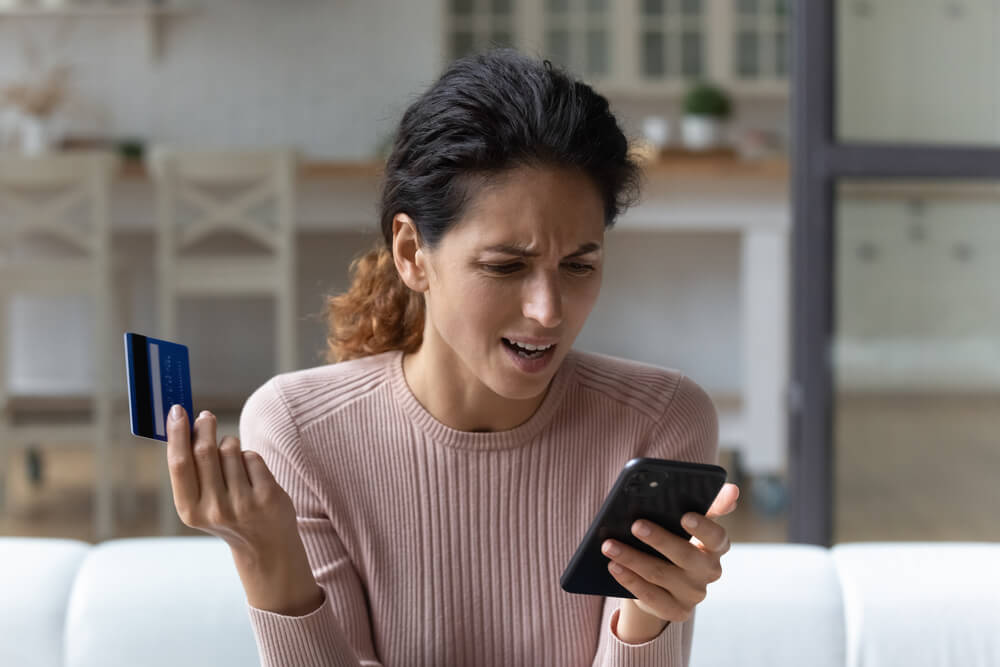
x: 61, y: 200
x: 202, y: 193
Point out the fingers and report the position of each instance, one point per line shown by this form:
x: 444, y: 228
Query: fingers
x: 725, y: 502
x: 711, y: 535
x: 183, y: 477
x: 656, y: 572
x: 234, y: 473
x: 206, y: 458
x: 257, y: 471
x: 654, y: 599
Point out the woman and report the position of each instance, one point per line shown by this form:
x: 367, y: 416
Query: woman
x: 415, y: 503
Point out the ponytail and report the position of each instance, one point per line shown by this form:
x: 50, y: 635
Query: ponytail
x: 378, y: 313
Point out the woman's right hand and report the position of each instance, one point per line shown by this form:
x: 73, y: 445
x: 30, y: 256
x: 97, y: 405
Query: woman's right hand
x: 232, y: 494
x: 224, y: 491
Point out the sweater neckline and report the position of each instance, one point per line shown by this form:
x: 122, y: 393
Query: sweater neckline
x: 477, y: 440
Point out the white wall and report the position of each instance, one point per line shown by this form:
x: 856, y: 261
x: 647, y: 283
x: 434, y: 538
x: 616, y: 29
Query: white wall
x: 332, y: 78
x: 666, y: 299
x: 328, y: 77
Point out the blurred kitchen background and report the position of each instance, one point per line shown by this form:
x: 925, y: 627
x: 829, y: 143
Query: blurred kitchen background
x: 699, y: 273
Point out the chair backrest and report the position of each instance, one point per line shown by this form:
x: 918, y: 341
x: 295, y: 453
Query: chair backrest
x: 61, y: 197
x: 190, y: 206
x: 55, y: 237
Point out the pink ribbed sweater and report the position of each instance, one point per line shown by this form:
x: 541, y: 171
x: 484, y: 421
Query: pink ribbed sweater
x: 443, y: 547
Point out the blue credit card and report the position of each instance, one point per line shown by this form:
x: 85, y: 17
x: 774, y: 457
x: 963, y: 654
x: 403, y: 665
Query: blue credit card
x: 159, y: 376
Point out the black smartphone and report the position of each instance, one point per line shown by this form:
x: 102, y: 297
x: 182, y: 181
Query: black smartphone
x: 659, y: 490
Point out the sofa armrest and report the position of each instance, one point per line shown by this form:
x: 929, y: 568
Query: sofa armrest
x: 35, y: 583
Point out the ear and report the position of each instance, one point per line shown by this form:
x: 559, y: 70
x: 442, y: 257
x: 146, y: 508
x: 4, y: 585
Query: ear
x: 408, y: 253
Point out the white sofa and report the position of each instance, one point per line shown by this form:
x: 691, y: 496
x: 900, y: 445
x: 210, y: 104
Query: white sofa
x: 177, y: 601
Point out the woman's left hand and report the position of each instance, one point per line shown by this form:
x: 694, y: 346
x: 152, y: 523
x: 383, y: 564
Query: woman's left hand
x: 669, y: 591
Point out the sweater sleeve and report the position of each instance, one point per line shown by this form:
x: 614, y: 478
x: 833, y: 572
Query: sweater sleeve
x: 339, y: 631
x: 687, y: 431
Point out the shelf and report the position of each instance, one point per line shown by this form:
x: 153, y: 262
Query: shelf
x: 673, y: 164
x: 154, y: 16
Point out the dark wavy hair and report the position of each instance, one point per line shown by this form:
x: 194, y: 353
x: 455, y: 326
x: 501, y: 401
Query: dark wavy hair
x: 487, y: 114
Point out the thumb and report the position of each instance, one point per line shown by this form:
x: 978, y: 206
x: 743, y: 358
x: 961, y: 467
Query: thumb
x: 725, y: 502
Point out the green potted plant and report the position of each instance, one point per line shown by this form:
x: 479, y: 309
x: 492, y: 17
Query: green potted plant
x: 706, y: 109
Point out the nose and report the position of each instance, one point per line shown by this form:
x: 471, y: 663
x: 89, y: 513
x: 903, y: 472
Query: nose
x: 543, y: 300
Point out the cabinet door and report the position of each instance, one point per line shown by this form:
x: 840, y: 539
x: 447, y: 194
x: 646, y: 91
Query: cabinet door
x: 578, y: 35
x: 476, y: 25
x: 759, y: 40
x: 916, y: 70
x: 947, y: 81
x: 672, y: 40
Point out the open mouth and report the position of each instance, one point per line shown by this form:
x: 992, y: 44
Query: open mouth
x: 526, y: 353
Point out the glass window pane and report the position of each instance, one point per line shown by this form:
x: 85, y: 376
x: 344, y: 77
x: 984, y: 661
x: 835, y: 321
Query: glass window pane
x: 557, y: 46
x: 691, y: 65
x: 654, y: 54
x: 917, y: 72
x: 502, y: 7
x: 597, y: 51
x: 501, y: 37
x: 652, y: 7
x: 781, y: 53
x: 691, y: 7
x: 916, y: 361
x: 463, y: 43
x: 462, y: 7
x: 747, y: 61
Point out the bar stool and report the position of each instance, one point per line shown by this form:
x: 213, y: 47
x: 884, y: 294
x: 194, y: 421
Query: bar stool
x: 55, y: 240
x: 200, y: 193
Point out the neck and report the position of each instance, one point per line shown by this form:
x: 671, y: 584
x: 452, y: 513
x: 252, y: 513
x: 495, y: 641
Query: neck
x: 456, y: 397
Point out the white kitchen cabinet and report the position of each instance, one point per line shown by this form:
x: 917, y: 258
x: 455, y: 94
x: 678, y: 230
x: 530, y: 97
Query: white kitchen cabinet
x: 917, y: 309
x: 636, y: 47
x: 917, y: 70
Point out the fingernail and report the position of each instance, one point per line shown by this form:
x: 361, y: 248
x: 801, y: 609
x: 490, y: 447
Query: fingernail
x: 641, y: 529
x: 615, y: 567
x: 204, y: 413
x: 690, y: 521
x: 176, y: 412
x: 611, y: 549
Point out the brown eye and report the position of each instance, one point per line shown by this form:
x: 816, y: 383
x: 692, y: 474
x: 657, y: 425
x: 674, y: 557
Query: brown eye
x: 577, y: 267
x: 502, y: 268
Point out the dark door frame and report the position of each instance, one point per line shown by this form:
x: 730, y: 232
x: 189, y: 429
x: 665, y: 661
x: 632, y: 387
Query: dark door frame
x: 819, y: 162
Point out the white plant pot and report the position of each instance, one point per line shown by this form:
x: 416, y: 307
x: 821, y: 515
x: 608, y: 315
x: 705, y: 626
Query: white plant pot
x: 656, y: 130
x: 701, y: 133
x: 35, y: 136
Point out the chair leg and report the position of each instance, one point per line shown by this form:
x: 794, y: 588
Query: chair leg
x: 170, y: 522
x: 5, y: 457
x: 103, y: 490
x: 128, y: 453
x: 34, y: 465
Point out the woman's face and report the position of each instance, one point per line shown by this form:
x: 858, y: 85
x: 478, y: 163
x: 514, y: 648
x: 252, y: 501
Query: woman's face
x: 524, y: 265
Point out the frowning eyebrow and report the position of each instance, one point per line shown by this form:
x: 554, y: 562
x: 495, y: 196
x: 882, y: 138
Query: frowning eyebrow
x: 521, y: 251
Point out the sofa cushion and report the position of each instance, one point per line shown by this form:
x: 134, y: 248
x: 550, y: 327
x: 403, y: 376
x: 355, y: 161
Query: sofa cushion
x: 158, y: 602
x: 776, y: 604
x: 36, y: 580
x: 916, y: 604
